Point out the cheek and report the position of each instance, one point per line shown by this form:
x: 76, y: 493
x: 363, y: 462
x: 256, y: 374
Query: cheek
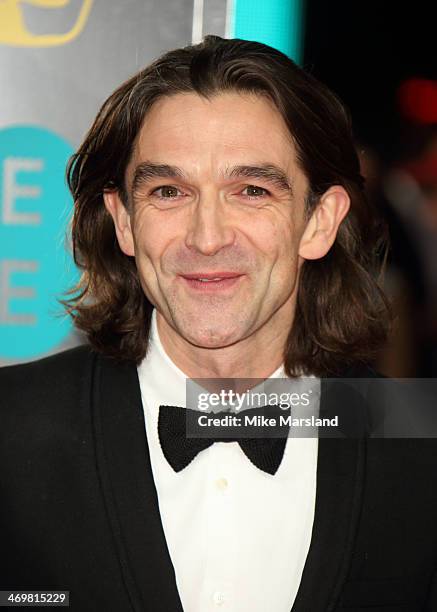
x: 146, y: 250
x: 286, y: 263
x: 150, y: 238
x: 281, y: 242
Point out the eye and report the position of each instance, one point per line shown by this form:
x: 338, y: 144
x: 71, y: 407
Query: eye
x: 167, y: 192
x: 253, y: 191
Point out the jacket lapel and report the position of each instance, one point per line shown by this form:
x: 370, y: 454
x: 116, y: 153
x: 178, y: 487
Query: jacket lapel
x: 131, y: 500
x: 127, y: 482
x: 340, y: 481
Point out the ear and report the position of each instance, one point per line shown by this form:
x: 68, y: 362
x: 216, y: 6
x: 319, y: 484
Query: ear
x: 321, y: 230
x: 122, y: 221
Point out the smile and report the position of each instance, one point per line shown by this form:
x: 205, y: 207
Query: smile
x: 211, y: 282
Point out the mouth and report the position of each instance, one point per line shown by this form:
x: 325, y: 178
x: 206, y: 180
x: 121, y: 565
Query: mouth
x: 211, y: 281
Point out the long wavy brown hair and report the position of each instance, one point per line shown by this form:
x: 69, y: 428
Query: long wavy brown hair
x: 341, y: 315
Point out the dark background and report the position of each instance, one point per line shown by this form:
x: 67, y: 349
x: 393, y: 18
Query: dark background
x: 363, y: 51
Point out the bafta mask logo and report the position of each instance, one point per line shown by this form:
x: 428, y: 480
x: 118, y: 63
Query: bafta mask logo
x: 13, y: 30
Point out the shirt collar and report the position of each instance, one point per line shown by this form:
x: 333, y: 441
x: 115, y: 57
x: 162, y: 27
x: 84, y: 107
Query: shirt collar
x: 161, y: 376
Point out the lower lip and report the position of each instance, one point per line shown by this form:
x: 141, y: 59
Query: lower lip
x: 212, y: 286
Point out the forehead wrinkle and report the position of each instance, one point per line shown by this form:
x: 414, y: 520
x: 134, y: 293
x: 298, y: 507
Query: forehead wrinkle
x: 268, y: 172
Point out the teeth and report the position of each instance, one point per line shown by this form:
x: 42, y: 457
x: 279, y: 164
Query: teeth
x: 208, y: 280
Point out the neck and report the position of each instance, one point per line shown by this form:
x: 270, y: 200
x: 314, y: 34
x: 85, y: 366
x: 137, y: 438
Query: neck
x: 256, y: 356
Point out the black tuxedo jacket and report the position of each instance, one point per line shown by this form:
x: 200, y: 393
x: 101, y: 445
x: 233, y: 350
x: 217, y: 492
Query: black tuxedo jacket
x: 79, y: 510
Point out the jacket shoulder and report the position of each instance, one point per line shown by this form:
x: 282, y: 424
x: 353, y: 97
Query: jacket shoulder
x: 57, y: 377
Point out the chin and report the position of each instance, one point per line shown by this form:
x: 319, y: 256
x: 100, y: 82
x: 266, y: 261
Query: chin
x: 212, y: 337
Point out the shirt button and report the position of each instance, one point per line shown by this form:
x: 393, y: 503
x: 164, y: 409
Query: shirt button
x: 218, y: 598
x: 222, y: 484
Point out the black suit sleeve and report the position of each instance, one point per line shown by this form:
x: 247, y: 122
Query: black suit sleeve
x: 431, y: 602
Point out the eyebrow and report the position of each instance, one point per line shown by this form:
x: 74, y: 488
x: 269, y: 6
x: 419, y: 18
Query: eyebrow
x: 146, y: 171
x: 267, y: 172
x: 271, y: 173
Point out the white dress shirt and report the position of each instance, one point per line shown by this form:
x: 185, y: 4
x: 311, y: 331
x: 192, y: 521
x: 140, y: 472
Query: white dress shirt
x: 238, y: 537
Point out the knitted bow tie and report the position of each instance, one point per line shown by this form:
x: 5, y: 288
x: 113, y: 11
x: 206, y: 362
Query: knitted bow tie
x: 264, y: 452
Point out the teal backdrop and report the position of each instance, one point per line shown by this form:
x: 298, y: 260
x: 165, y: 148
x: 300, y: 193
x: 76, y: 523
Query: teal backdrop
x: 35, y: 266
x: 277, y: 23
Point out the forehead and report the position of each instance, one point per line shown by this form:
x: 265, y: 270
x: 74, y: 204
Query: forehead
x: 203, y: 134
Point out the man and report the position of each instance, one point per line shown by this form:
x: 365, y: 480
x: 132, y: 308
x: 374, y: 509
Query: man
x: 222, y: 230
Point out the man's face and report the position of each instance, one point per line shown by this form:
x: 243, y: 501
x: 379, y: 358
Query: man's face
x: 216, y: 194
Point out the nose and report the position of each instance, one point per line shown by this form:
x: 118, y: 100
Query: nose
x: 209, y: 229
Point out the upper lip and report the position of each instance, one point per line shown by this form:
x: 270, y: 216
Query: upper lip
x: 211, y: 275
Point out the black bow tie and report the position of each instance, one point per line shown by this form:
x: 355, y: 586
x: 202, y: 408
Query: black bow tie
x: 265, y: 453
